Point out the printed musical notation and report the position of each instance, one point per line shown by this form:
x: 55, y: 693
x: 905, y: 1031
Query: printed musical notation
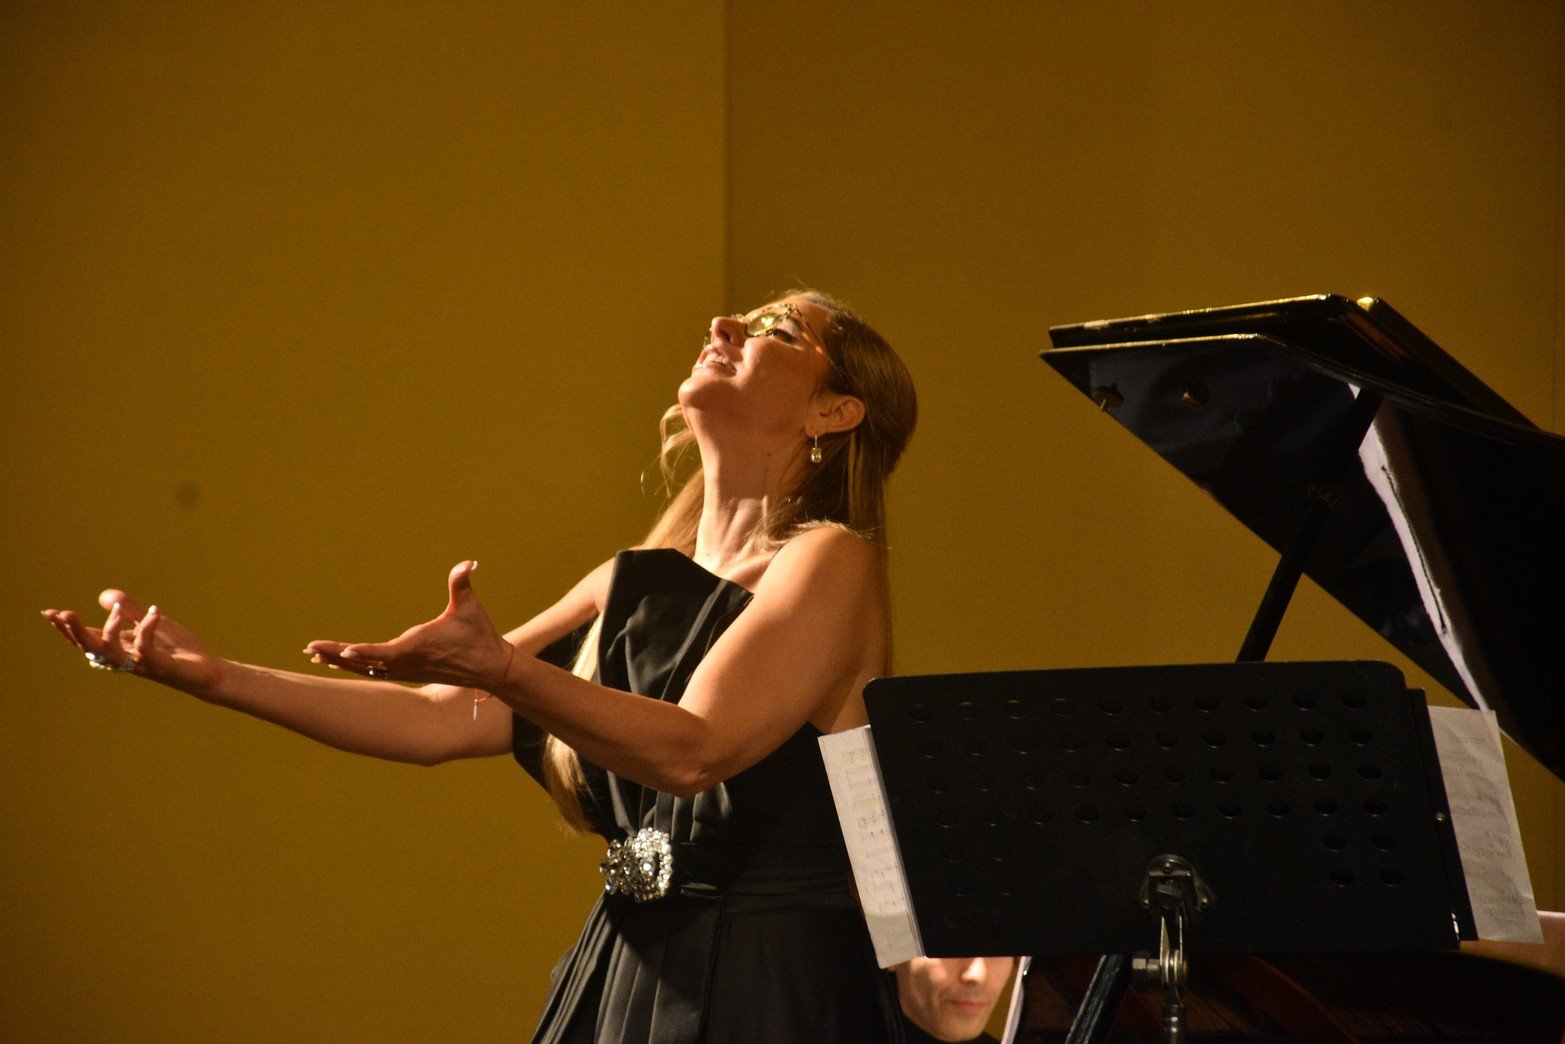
x: 1487, y: 834
x: 860, y: 796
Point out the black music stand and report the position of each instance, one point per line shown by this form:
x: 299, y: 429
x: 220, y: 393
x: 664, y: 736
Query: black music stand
x: 1030, y: 806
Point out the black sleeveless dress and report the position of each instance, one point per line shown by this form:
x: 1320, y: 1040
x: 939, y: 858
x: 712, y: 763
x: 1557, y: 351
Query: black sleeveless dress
x: 759, y: 938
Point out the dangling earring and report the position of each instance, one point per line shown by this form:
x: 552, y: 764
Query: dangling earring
x: 815, y: 450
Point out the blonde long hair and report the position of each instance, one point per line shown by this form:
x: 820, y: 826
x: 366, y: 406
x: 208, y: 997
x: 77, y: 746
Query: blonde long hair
x: 847, y: 488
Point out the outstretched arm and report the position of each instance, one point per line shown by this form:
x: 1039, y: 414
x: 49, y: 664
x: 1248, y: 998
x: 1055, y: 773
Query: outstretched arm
x: 802, y: 651
x: 424, y: 725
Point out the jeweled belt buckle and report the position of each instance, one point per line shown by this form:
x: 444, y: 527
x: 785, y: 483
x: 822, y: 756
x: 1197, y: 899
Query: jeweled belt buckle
x: 639, y: 866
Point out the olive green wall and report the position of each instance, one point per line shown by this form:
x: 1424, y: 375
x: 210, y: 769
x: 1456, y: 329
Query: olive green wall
x: 300, y: 305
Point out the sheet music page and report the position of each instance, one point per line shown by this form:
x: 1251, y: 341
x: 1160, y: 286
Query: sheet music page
x: 860, y: 795
x: 1487, y: 835
x: 1013, y: 1014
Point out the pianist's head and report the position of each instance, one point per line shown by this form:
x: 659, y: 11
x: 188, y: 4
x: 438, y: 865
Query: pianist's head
x: 951, y: 998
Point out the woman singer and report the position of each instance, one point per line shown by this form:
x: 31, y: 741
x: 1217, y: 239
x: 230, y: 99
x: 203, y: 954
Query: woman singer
x: 682, y: 726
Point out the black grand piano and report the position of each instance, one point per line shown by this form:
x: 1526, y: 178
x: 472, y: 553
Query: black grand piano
x: 1394, y: 478
x: 1376, y: 465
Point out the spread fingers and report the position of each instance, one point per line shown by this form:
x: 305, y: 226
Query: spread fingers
x: 113, y: 650
x: 57, y: 621
x: 146, y: 630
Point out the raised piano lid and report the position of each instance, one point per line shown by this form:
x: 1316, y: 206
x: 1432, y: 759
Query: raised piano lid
x: 1447, y: 528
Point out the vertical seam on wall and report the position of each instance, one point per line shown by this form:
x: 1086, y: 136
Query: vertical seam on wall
x: 726, y: 115
x: 1557, y: 803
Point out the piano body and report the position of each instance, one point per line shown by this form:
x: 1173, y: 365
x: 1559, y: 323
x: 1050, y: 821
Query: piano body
x: 1376, y: 465
x: 1443, y: 508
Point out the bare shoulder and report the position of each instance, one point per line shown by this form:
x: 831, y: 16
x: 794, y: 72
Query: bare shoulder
x: 848, y: 574
x: 595, y: 585
x: 591, y: 590
x: 826, y: 556
x: 834, y: 586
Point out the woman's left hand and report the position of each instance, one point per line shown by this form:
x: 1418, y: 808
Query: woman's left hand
x: 458, y: 647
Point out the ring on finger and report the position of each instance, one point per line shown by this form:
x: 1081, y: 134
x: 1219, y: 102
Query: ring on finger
x: 103, y: 663
x: 377, y: 671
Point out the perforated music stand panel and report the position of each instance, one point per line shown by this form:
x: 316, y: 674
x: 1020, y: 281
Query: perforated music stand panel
x: 1027, y: 806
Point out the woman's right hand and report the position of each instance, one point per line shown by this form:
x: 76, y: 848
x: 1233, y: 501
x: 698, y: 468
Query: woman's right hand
x: 141, y: 641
